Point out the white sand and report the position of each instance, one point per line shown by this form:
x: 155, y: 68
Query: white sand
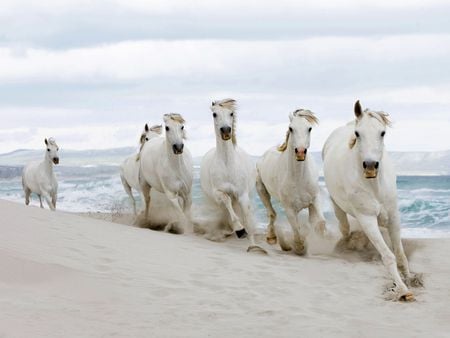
x: 64, y: 275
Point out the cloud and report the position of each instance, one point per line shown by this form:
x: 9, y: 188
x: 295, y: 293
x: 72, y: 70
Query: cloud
x: 91, y: 73
x: 75, y: 23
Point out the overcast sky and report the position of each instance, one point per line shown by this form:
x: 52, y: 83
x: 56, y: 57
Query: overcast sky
x: 92, y: 73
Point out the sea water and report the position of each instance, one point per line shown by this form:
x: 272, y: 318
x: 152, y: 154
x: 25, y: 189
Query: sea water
x: 424, y: 201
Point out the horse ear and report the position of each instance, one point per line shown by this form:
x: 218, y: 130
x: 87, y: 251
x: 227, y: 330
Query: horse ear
x: 358, y: 109
x: 146, y: 127
x: 213, y: 103
x: 46, y: 142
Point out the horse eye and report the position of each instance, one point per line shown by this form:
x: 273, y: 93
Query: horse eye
x: 290, y: 129
x: 146, y: 138
x: 214, y: 115
x: 167, y: 128
x: 383, y: 133
x: 232, y: 114
x: 309, y: 129
x: 182, y: 127
x: 48, y: 149
x: 357, y: 134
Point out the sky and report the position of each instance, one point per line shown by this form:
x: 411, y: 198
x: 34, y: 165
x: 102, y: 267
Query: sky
x: 92, y: 73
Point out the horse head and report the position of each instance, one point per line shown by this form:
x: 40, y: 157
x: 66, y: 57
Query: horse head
x: 368, y: 138
x: 298, y: 136
x: 175, y: 133
x: 52, y: 150
x: 225, y: 119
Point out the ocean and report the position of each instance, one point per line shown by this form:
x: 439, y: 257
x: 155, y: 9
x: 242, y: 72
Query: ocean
x: 424, y: 201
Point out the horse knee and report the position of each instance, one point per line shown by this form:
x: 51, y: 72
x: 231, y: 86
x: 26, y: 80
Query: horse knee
x: 389, y: 259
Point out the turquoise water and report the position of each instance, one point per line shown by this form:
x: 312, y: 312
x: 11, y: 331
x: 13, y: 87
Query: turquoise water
x: 424, y: 201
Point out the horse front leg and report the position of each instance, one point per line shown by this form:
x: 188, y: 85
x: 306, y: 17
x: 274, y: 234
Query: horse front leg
x: 299, y: 246
x: 316, y: 218
x: 396, y: 241
x: 48, y: 199
x: 225, y: 200
x: 249, y: 223
x: 54, y: 197
x: 174, y: 198
x: 264, y: 195
x: 370, y: 227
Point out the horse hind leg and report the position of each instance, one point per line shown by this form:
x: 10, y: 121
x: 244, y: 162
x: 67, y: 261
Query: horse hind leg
x: 127, y: 189
x: 316, y: 218
x: 27, y: 195
x: 40, y: 201
x: 344, y: 226
x: 264, y: 195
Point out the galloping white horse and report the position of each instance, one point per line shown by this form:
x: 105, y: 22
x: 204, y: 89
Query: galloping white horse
x: 38, y: 177
x: 166, y: 166
x: 227, y: 174
x: 290, y: 176
x: 129, y: 169
x: 362, y: 183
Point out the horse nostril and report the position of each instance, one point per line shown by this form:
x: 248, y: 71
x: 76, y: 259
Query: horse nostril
x: 296, y: 150
x: 377, y: 164
x: 225, y: 130
x: 306, y: 150
x: 364, y: 165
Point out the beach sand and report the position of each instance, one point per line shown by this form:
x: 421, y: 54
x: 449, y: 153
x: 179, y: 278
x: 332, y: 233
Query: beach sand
x: 65, y: 275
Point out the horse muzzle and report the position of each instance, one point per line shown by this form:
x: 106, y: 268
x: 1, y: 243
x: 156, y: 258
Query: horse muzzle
x: 225, y: 133
x: 370, y: 169
x: 178, y: 148
x: 56, y: 160
x: 300, y: 154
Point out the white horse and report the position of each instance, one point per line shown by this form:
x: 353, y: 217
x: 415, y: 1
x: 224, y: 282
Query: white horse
x: 362, y: 183
x: 38, y: 177
x: 129, y: 169
x: 227, y: 175
x: 290, y: 176
x: 166, y: 166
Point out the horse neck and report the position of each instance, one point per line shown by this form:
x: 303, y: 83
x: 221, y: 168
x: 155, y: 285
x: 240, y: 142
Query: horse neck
x: 295, y: 168
x: 225, y: 150
x: 47, y: 164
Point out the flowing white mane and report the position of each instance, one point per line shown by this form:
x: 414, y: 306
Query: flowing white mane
x: 381, y: 116
x: 229, y: 104
x: 174, y: 117
x: 308, y: 115
x: 52, y: 141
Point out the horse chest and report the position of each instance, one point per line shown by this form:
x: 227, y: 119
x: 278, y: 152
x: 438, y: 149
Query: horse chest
x: 229, y: 178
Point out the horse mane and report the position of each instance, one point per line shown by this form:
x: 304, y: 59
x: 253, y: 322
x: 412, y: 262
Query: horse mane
x: 52, y: 141
x: 174, y: 117
x: 380, y: 116
x: 283, y: 146
x: 308, y: 115
x: 229, y: 104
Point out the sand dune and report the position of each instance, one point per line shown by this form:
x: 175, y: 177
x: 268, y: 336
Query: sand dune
x: 64, y: 275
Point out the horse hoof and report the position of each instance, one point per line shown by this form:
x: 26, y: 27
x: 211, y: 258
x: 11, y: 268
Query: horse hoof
x: 407, y: 297
x: 256, y: 248
x: 271, y: 240
x: 241, y: 233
